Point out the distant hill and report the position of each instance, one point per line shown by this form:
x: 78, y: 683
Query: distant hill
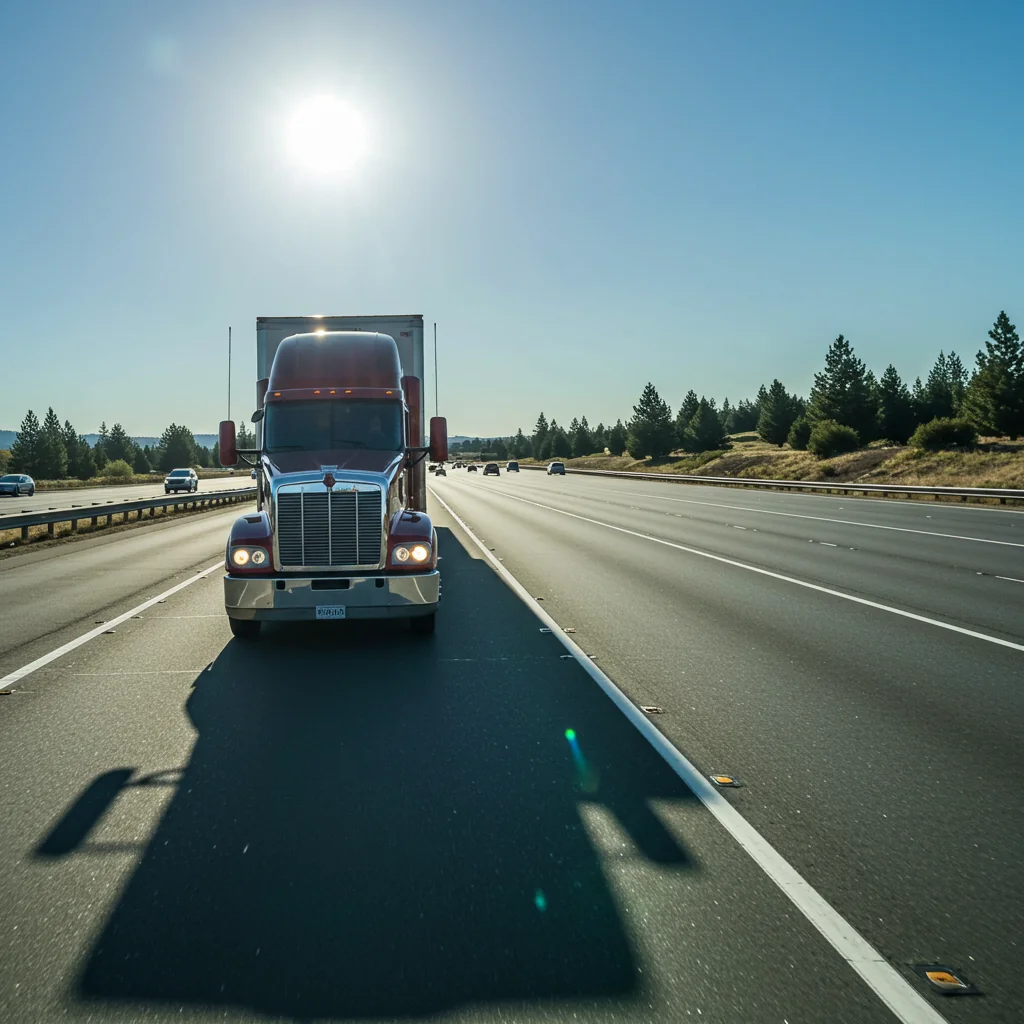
x: 206, y: 440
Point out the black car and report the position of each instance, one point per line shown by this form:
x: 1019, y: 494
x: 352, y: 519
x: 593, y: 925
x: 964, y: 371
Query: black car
x: 15, y: 484
x: 471, y: 468
x: 512, y: 467
x: 491, y: 469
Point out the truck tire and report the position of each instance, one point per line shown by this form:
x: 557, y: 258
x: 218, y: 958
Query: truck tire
x: 423, y: 625
x: 244, y: 629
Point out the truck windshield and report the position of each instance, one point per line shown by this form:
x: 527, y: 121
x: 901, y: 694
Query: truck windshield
x: 322, y: 426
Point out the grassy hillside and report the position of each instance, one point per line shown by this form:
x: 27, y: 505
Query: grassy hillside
x: 995, y: 463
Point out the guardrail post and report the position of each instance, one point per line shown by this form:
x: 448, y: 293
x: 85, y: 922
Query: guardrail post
x: 74, y: 526
x: 94, y: 522
x: 49, y: 529
x: 24, y: 535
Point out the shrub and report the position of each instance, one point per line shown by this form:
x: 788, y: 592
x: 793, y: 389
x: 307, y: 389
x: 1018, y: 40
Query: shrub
x: 799, y: 434
x: 944, y: 433
x: 828, y: 469
x: 829, y: 438
x: 118, y: 468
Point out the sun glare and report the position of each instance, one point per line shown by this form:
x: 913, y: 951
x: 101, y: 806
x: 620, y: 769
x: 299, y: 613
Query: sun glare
x: 326, y: 136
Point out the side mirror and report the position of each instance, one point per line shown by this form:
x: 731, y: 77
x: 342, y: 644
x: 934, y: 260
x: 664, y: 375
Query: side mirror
x: 228, y: 448
x: 257, y: 416
x: 438, y: 439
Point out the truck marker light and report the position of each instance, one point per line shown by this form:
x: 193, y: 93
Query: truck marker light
x: 331, y: 391
x: 316, y: 392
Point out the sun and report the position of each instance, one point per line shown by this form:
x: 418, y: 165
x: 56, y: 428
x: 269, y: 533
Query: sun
x: 326, y: 136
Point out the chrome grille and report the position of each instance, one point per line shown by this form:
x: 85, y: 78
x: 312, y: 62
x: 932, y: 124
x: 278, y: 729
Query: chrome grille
x: 340, y: 528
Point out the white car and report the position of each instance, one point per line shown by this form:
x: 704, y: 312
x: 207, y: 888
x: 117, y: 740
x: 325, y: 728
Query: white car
x: 181, y: 480
x: 556, y: 469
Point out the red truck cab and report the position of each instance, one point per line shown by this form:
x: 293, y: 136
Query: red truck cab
x: 341, y: 529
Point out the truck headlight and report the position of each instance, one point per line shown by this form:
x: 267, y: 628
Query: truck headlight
x: 243, y: 556
x: 403, y: 554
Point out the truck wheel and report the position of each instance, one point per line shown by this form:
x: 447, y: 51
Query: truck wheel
x: 423, y: 625
x: 245, y: 629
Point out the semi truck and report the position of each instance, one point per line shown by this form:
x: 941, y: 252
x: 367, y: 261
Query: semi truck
x: 341, y: 529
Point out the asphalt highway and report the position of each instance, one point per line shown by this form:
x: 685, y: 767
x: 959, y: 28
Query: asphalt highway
x: 86, y: 497
x: 354, y: 823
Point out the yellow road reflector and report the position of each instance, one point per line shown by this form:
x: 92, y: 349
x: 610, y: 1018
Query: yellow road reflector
x: 725, y: 780
x: 945, y: 979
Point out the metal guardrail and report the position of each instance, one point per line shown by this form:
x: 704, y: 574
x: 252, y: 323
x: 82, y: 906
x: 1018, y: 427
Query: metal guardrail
x: 829, y: 486
x: 94, y: 513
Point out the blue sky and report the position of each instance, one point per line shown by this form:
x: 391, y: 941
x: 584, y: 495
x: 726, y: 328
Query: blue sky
x: 584, y: 195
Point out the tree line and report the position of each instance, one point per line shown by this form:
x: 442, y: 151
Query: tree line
x: 50, y: 451
x: 847, y: 407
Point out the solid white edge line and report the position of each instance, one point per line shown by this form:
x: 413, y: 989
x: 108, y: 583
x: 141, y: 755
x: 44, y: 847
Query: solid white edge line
x: 874, y: 970
x: 776, y: 575
x: 59, y: 652
x: 820, y: 519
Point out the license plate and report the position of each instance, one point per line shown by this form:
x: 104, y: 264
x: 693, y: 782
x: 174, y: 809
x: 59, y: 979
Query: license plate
x: 330, y: 611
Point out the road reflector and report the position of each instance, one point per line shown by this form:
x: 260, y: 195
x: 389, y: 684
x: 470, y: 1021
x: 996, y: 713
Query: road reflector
x: 945, y: 979
x: 651, y: 709
x: 569, y: 629
x: 544, y: 629
x: 726, y: 781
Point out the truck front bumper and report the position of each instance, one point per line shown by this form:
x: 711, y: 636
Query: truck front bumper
x: 284, y: 599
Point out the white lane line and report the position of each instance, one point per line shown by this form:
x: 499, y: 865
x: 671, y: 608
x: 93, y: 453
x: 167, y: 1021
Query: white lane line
x: 779, y: 576
x: 32, y: 666
x: 1010, y: 578
x: 826, y: 519
x: 906, y: 1003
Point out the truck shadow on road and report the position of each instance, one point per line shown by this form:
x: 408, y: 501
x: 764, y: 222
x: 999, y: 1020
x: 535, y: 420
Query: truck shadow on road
x: 378, y: 824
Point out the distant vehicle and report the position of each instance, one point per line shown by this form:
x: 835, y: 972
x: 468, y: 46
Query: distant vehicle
x: 440, y: 471
x: 491, y: 469
x: 471, y: 468
x: 512, y: 467
x: 181, y: 480
x: 458, y: 465
x: 17, y: 483
x: 556, y: 469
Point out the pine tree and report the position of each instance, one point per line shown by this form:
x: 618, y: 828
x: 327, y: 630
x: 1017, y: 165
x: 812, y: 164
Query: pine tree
x: 599, y: 437
x: 843, y: 391
x: 85, y: 462
x: 540, y: 435
x: 617, y: 438
x: 958, y: 379
x: 118, y: 445
x: 561, y: 445
x: 177, y: 448
x: 53, y: 455
x: 994, y: 401
x: 778, y: 411
x: 744, y: 416
x: 579, y: 436
x: 520, y: 445
x: 686, y: 413
x: 762, y: 394
x: 704, y: 432
x: 26, y: 450
x: 650, y: 430
x: 140, y: 461
x: 896, y: 414
x: 725, y: 414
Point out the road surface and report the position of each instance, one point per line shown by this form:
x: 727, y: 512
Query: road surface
x: 356, y: 823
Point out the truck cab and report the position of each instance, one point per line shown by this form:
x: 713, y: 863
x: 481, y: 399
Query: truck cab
x: 341, y: 529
